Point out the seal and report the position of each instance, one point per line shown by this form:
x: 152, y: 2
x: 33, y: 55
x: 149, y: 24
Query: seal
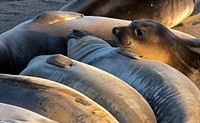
x: 167, y: 12
x: 46, y: 34
x: 190, y: 25
x: 127, y: 106
x: 51, y: 99
x: 170, y: 94
x: 15, y: 114
x: 153, y: 40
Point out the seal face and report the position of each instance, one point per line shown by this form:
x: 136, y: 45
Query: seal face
x: 155, y: 41
x: 144, y: 38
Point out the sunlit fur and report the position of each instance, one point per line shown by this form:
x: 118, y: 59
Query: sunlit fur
x: 159, y: 43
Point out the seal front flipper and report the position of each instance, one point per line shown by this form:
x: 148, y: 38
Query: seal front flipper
x: 60, y: 61
x: 52, y: 17
x: 129, y: 54
x: 78, y: 34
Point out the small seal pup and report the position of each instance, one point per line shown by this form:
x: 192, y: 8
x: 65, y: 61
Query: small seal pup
x: 167, y: 12
x: 172, y: 96
x: 153, y: 40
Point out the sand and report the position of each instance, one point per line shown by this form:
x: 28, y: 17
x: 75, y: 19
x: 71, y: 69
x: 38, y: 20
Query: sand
x: 14, y: 12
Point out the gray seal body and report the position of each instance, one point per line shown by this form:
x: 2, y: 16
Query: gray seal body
x: 170, y: 94
x: 122, y: 101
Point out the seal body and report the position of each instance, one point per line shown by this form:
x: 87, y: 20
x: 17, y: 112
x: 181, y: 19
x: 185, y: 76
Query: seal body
x: 190, y: 25
x: 46, y: 34
x: 51, y: 99
x: 153, y: 40
x: 170, y: 94
x: 122, y: 101
x: 167, y: 12
x: 15, y: 114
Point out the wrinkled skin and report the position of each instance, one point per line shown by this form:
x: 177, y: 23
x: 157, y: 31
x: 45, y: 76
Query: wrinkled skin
x: 172, y: 96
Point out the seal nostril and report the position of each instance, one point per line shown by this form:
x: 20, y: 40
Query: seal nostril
x: 115, y: 31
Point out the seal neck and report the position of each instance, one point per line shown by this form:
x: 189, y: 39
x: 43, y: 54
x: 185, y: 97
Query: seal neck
x: 187, y: 53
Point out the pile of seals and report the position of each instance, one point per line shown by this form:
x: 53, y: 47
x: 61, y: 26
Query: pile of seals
x: 53, y: 71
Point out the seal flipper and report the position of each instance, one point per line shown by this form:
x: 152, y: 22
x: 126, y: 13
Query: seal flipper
x: 60, y: 61
x: 129, y: 54
x: 52, y: 17
x: 78, y: 34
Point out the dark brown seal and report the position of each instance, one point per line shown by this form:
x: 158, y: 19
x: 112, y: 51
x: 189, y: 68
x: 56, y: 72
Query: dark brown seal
x: 154, y: 41
x: 168, y: 12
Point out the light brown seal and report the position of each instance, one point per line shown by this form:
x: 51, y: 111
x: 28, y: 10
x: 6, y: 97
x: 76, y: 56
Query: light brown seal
x: 153, y: 40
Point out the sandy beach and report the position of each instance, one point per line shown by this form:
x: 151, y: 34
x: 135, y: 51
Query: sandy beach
x: 14, y: 12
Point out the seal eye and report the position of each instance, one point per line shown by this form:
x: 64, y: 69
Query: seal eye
x: 138, y: 32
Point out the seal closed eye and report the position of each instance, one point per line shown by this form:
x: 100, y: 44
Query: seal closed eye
x: 159, y: 43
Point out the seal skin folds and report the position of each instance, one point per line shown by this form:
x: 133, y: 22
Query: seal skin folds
x: 153, y: 40
x: 167, y: 12
x: 172, y: 96
x: 51, y: 99
x: 122, y: 101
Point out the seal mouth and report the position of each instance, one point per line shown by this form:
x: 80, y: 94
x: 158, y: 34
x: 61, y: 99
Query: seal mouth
x: 128, y: 54
x: 115, y: 32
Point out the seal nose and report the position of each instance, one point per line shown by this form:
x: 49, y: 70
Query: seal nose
x: 115, y: 30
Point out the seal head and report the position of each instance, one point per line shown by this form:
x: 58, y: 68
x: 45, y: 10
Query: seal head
x: 144, y: 38
x: 154, y: 41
